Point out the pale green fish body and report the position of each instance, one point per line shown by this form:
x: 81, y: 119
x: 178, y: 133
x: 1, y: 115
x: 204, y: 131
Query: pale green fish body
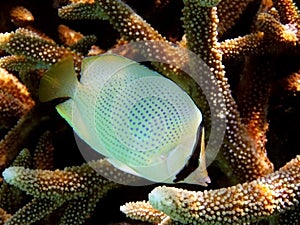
x: 142, y: 122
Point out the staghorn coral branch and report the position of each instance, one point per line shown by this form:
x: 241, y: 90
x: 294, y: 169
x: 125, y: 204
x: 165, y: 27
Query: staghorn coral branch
x: 79, y: 10
x: 43, y: 157
x: 121, y: 16
x: 51, y: 189
x: 291, y: 83
x: 244, y: 203
x: 19, y: 63
x: 239, y: 47
x: 143, y: 211
x: 58, y: 184
x: 228, y: 12
x: 276, y: 30
x: 4, y: 216
x: 288, y: 11
x: 15, y: 99
x: 35, y: 210
x: 11, y: 110
x: 237, y: 144
x: 269, y: 31
x: 78, y: 213
x: 15, y: 104
x: 23, y: 159
x: 253, y: 97
x: 11, y: 198
x: 15, y: 139
x: 200, y: 24
x: 75, y: 40
x: 35, y: 47
x: 11, y: 86
x: 21, y: 16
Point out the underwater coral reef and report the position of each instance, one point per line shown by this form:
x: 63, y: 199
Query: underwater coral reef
x: 252, y: 50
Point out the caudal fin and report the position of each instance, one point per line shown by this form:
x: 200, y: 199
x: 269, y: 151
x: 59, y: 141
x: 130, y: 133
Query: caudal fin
x: 204, y: 178
x: 59, y: 81
x: 200, y: 175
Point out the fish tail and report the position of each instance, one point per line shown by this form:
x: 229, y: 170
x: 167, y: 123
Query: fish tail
x: 59, y: 81
x: 200, y: 175
x: 204, y: 178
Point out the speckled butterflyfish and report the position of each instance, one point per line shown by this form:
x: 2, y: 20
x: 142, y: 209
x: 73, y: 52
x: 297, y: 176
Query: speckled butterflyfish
x: 142, y: 122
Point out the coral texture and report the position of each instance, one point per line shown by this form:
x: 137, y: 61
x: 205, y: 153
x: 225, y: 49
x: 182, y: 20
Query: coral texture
x: 243, y: 203
x: 252, y: 50
x: 275, y: 194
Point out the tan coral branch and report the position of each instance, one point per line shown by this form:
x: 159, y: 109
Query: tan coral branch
x: 243, y: 203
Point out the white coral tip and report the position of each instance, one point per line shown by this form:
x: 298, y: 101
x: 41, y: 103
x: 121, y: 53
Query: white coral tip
x: 9, y: 174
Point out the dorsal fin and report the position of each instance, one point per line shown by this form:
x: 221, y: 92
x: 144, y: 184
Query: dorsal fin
x: 59, y: 81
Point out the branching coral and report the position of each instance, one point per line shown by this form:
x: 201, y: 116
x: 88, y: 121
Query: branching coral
x: 34, y: 47
x: 244, y: 203
x: 16, y: 138
x: 52, y: 189
x: 237, y: 144
x: 4, y: 216
x: 244, y: 68
x: 15, y: 99
x: 11, y: 197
